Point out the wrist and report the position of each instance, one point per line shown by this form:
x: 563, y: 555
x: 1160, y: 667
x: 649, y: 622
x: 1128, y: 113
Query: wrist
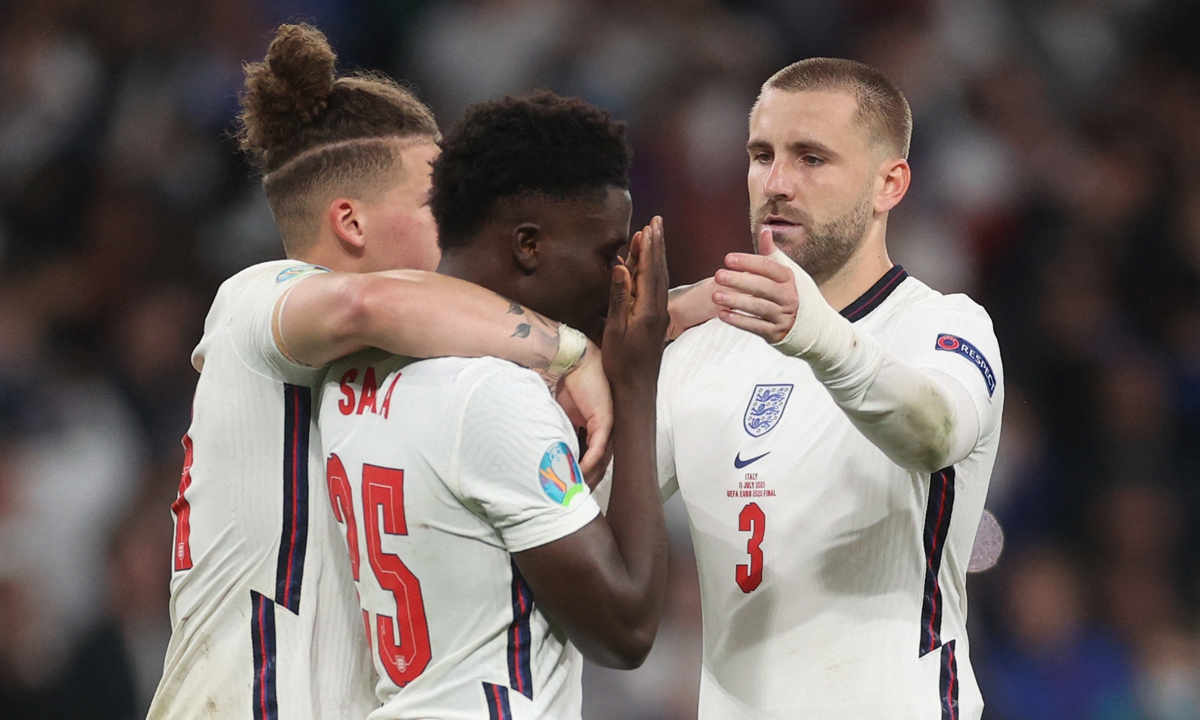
x: 635, y: 389
x: 572, y: 347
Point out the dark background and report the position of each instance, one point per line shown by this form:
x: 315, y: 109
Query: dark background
x: 1056, y: 166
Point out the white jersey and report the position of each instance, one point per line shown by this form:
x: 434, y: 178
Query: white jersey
x: 438, y: 470
x: 833, y: 581
x: 265, y: 625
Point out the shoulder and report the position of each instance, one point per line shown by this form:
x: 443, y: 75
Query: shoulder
x: 260, y: 283
x: 915, y: 298
x: 272, y: 272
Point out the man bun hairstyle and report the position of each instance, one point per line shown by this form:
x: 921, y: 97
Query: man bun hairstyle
x: 316, y: 136
x: 539, y: 144
x: 882, y: 108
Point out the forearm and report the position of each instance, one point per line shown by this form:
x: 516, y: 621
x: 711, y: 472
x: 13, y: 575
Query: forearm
x: 921, y: 419
x: 413, y: 313
x: 429, y: 315
x: 689, y: 306
x: 635, y: 517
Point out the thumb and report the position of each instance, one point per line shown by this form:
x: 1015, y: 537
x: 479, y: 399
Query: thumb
x: 766, y: 243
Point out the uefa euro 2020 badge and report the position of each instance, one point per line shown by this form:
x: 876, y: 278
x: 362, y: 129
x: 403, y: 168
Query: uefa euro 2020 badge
x: 766, y: 407
x: 298, y: 270
x: 560, y: 476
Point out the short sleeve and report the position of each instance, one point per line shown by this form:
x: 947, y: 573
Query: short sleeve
x: 251, y: 318
x: 956, y: 338
x: 516, y: 461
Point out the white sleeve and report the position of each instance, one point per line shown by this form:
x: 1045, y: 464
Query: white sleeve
x: 960, y: 346
x: 934, y: 392
x: 250, y: 325
x: 516, y: 462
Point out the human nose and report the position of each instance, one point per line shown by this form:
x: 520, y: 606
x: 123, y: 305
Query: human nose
x: 777, y: 184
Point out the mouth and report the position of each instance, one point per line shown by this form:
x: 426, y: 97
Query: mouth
x: 778, y: 222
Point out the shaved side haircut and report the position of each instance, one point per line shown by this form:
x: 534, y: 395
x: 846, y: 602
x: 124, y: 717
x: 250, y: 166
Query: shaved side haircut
x: 316, y: 136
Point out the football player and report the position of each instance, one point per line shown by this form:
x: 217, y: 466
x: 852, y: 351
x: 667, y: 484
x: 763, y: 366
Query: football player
x: 265, y: 623
x: 483, y: 564
x: 833, y: 434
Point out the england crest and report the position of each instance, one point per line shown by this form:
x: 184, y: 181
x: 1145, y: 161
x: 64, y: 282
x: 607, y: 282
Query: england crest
x: 765, y: 408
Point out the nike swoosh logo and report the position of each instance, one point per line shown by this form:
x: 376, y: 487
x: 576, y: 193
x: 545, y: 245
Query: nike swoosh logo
x: 739, y: 463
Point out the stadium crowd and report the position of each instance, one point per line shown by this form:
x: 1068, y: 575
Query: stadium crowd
x: 1056, y: 164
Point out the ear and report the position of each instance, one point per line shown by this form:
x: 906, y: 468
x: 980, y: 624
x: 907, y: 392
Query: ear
x: 345, y: 217
x: 525, y: 240
x: 894, y: 177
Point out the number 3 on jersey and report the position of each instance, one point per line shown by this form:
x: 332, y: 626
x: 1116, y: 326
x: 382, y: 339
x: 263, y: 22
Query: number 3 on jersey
x: 383, y: 495
x: 752, y: 519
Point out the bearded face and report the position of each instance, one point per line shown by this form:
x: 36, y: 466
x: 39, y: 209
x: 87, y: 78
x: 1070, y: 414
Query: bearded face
x: 821, y: 248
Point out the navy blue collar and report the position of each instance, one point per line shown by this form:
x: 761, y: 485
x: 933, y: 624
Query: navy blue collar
x: 874, y: 297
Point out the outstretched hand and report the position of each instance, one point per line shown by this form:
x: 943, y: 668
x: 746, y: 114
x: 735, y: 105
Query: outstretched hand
x: 756, y: 293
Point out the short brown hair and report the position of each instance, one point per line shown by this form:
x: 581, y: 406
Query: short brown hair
x: 316, y: 136
x: 882, y: 108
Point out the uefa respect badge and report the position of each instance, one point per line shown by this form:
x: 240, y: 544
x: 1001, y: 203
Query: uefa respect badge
x: 559, y: 474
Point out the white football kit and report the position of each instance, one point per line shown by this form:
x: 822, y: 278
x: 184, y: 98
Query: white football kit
x: 833, y: 581
x: 265, y: 625
x: 438, y: 470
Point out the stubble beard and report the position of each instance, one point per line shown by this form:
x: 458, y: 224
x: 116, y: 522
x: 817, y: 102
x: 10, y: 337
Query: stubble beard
x: 827, y: 246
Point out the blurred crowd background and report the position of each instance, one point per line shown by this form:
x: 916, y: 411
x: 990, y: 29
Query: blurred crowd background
x: 1056, y: 166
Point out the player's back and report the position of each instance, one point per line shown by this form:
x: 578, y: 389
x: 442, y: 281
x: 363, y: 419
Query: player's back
x: 832, y: 579
x: 439, y: 470
x: 264, y: 620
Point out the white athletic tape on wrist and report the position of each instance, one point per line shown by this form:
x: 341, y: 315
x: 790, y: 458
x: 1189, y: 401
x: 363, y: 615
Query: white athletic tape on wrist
x: 819, y: 333
x: 571, y: 346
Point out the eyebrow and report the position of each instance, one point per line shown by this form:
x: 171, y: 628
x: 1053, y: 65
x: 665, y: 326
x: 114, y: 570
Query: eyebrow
x: 799, y: 147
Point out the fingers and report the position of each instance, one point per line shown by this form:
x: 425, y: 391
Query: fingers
x: 759, y: 265
x: 652, y: 281
x: 751, y: 284
x: 750, y: 305
x: 661, y: 283
x: 635, y: 250
x: 758, y: 326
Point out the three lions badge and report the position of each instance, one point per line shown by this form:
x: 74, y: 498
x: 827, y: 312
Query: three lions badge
x: 766, y: 407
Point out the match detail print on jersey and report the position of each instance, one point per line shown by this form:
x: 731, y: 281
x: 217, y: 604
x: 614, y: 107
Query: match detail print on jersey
x: 559, y: 474
x: 766, y: 407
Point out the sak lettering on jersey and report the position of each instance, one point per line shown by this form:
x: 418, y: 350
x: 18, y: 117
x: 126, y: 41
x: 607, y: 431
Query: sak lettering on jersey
x: 766, y: 407
x: 560, y: 475
x: 955, y: 344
